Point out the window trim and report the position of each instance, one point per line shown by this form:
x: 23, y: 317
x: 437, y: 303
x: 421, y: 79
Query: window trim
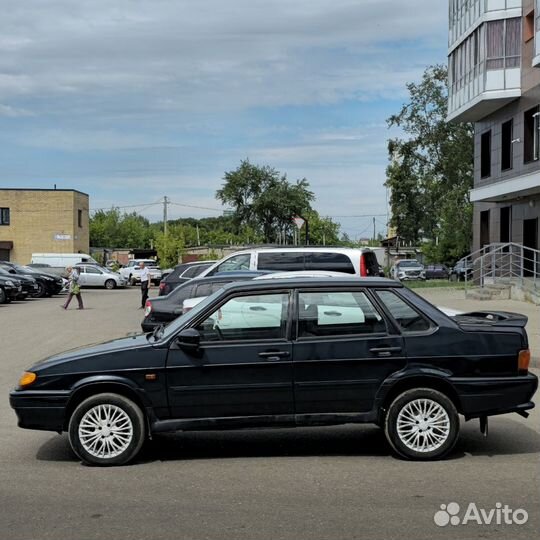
x: 342, y: 337
x: 488, y: 153
x: 511, y: 150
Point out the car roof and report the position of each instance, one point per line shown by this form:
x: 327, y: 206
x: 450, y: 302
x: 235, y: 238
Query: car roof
x: 226, y: 276
x: 322, y: 282
x: 303, y: 249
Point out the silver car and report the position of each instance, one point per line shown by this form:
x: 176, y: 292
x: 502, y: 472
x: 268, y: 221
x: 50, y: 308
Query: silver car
x: 91, y: 275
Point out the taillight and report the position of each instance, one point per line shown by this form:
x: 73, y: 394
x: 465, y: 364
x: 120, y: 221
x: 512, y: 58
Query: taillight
x: 524, y: 359
x: 161, y: 286
x: 363, y: 268
x: 147, y: 308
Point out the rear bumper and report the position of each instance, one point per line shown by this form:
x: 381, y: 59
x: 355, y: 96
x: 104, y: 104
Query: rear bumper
x: 41, y: 410
x: 496, y: 395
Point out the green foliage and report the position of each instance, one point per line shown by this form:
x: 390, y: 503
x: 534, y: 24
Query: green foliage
x: 111, y: 229
x: 263, y: 199
x: 169, y: 247
x: 431, y: 171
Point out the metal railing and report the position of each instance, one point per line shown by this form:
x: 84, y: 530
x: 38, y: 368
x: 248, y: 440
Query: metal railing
x: 508, y: 263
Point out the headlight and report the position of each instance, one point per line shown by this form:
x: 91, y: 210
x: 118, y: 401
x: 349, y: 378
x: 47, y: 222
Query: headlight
x: 10, y: 283
x: 27, y: 378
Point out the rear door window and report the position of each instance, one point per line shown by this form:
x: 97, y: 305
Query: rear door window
x: 327, y: 314
x: 408, y: 319
x: 333, y: 262
x: 281, y: 261
x: 238, y: 262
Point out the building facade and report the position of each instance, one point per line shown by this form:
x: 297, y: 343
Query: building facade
x: 42, y: 221
x: 494, y: 81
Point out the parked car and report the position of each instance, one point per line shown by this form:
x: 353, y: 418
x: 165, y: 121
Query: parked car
x: 182, y: 273
x: 164, y: 309
x: 408, y: 269
x: 359, y: 262
x: 132, y: 272
x: 47, y: 284
x: 462, y: 270
x: 437, y: 271
x: 91, y: 275
x: 9, y: 289
x: 27, y: 286
x: 263, y: 353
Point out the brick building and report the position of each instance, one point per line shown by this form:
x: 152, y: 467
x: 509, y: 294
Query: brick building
x: 42, y: 220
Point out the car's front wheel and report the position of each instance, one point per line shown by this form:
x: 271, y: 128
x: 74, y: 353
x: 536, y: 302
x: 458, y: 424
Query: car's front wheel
x: 110, y: 284
x: 107, y: 429
x: 3, y: 296
x: 422, y: 424
x: 41, y: 290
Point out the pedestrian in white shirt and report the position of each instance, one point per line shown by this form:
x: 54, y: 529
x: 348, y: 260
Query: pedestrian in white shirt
x: 146, y: 283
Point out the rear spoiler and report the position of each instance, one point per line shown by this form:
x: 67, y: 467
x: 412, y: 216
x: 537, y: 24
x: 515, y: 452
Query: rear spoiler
x: 495, y: 318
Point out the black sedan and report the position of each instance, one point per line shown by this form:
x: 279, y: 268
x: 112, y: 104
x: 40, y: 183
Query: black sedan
x: 288, y: 352
x: 164, y: 309
x: 28, y: 287
x: 437, y: 271
x: 47, y: 284
x: 9, y: 289
x: 181, y: 274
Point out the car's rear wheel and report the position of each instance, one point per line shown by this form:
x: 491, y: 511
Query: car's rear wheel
x: 110, y: 284
x: 422, y: 424
x: 107, y: 429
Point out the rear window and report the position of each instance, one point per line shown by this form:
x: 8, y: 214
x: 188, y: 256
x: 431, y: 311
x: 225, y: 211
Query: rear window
x: 282, y: 261
x: 333, y: 262
x: 407, y: 318
x: 195, y: 270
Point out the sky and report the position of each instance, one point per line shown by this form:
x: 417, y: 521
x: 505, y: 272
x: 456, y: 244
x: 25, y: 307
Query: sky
x: 133, y: 100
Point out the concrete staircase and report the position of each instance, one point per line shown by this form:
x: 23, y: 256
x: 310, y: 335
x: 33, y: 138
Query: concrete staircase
x: 525, y: 290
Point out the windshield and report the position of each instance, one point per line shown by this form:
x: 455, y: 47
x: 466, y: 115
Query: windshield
x: 408, y: 264
x: 174, y: 326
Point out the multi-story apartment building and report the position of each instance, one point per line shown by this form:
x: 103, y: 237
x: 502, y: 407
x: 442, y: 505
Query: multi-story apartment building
x: 42, y: 220
x: 494, y: 81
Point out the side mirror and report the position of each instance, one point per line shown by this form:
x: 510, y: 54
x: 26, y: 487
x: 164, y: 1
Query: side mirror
x: 189, y: 340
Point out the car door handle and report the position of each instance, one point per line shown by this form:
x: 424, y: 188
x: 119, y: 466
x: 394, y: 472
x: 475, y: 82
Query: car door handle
x: 257, y: 308
x: 385, y: 351
x: 333, y: 313
x: 274, y: 356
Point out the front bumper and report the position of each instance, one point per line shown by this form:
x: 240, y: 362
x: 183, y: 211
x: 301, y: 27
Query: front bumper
x: 495, y: 395
x: 43, y: 410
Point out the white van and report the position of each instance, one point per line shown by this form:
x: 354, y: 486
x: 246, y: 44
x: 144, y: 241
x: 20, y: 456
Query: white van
x: 61, y: 260
x: 361, y: 262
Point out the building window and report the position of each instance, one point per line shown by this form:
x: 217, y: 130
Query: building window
x: 506, y: 225
x: 530, y: 135
x: 507, y: 131
x: 484, y: 228
x: 79, y: 217
x: 503, y: 42
x: 4, y: 216
x: 485, y: 155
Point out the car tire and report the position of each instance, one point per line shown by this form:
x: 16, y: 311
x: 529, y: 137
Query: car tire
x: 89, y: 434
x: 3, y: 296
x: 41, y: 290
x: 415, y: 436
x: 110, y: 284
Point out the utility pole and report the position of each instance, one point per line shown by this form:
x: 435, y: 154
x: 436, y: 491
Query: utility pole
x: 198, y: 236
x: 373, y: 231
x: 165, y: 204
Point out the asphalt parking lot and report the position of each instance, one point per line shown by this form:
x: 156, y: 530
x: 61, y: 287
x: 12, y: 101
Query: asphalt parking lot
x: 311, y: 483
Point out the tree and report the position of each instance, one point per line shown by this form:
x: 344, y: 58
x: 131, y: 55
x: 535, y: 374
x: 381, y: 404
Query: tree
x: 110, y: 229
x: 431, y: 171
x: 263, y: 199
x: 169, y: 246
